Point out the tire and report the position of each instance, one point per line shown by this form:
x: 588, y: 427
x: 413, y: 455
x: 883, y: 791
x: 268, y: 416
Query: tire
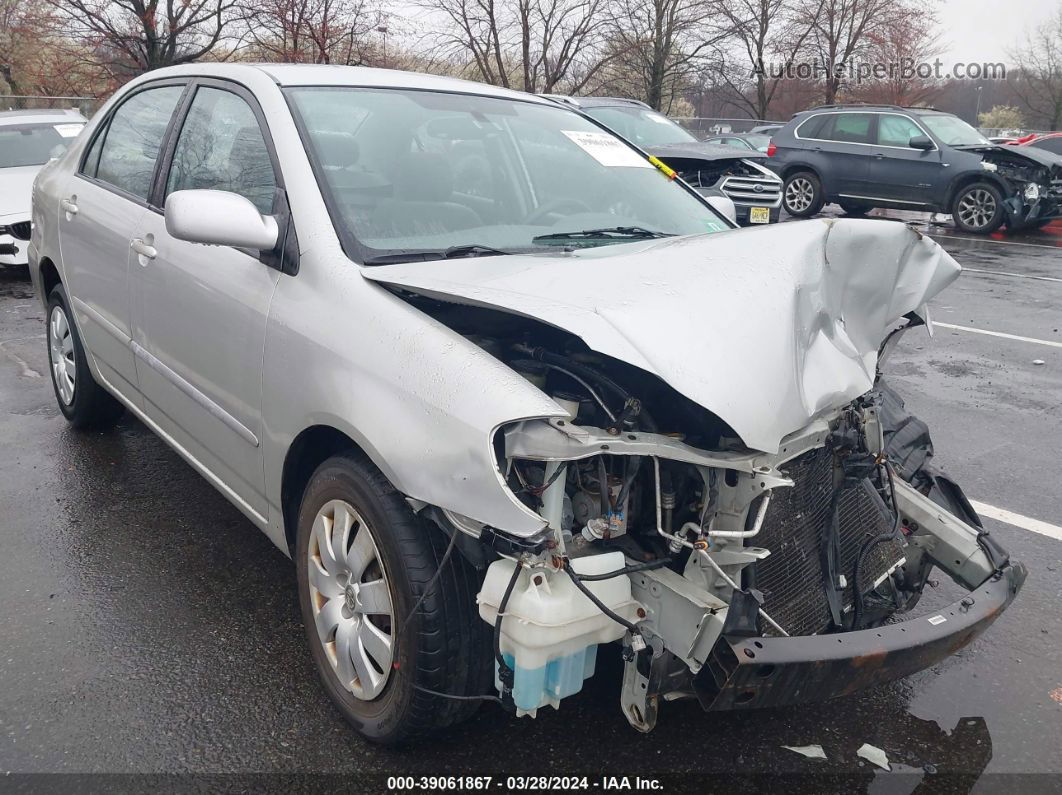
x: 978, y: 208
x: 802, y: 194
x: 855, y: 208
x: 84, y: 403
x: 446, y: 647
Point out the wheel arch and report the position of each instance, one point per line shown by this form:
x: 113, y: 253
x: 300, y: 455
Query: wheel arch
x: 793, y: 168
x: 49, y: 277
x: 969, y: 178
x: 308, y: 450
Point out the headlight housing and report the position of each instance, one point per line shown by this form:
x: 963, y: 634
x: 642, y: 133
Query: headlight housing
x: 1032, y: 192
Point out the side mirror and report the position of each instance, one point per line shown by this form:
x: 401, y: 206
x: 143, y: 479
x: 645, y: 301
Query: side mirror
x: 219, y: 218
x: 922, y: 142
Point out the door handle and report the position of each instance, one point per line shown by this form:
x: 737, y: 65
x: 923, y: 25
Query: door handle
x: 879, y: 155
x: 69, y: 205
x: 142, y: 248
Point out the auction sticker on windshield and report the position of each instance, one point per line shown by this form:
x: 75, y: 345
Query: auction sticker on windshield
x: 68, y: 130
x: 608, y: 150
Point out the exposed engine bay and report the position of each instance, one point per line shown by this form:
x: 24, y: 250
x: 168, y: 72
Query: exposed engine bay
x: 683, y: 542
x: 1034, y: 182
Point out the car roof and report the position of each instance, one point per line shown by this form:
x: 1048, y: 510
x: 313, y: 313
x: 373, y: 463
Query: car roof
x: 41, y: 116
x: 914, y: 111
x: 353, y: 76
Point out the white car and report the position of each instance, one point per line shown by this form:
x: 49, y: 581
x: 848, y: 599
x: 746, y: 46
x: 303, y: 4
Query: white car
x: 28, y: 140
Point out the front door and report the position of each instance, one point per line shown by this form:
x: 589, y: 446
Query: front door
x: 899, y: 172
x: 99, y: 211
x: 199, y: 326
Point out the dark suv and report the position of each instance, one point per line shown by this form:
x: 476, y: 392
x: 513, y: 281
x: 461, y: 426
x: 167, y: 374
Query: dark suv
x: 862, y: 157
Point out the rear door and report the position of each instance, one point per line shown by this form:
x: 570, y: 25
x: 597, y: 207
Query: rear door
x: 899, y: 172
x: 98, y: 213
x: 844, y: 147
x: 200, y: 319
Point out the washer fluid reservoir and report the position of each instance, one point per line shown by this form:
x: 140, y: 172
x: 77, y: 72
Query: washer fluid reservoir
x: 550, y: 631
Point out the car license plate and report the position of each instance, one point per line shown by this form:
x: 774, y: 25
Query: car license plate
x: 759, y: 215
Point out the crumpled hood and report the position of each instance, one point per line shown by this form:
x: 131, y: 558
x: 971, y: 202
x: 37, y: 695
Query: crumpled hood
x: 703, y: 151
x: 1039, y: 156
x: 16, y: 189
x: 767, y: 328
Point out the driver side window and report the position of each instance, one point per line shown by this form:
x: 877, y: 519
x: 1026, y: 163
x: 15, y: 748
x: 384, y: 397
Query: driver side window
x: 896, y: 130
x: 221, y: 147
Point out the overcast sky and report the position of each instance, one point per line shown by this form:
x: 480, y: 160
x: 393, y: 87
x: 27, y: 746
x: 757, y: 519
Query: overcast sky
x: 983, y: 30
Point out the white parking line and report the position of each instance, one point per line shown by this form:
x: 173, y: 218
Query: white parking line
x: 944, y: 238
x: 1008, y: 273
x: 1052, y: 343
x: 1016, y: 519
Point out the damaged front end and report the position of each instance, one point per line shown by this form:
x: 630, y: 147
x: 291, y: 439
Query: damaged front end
x: 759, y: 580
x: 1032, y: 183
x: 742, y: 503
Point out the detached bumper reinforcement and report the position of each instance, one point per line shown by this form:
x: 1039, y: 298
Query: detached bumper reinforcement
x: 745, y: 673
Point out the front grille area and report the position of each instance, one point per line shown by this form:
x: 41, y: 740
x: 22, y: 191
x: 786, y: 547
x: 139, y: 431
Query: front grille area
x: 744, y: 190
x: 21, y: 230
x: 791, y: 577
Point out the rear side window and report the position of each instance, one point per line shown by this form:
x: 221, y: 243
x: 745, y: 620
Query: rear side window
x: 896, y: 130
x: 814, y: 127
x: 133, y: 139
x: 852, y: 128
x: 221, y: 147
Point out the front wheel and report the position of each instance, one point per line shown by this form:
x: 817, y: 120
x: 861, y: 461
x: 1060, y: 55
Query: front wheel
x: 802, y: 195
x: 84, y: 403
x: 363, y: 561
x: 978, y: 208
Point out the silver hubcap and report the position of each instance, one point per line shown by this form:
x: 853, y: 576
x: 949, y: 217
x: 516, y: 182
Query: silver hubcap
x: 798, y: 195
x: 61, y: 354
x: 977, y: 208
x: 351, y: 600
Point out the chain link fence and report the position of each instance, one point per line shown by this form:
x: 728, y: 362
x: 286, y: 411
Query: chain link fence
x: 85, y: 105
x: 703, y: 126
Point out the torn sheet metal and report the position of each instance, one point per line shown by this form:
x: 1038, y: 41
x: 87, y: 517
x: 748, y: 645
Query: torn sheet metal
x: 766, y: 328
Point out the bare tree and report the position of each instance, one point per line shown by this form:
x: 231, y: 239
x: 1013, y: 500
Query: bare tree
x: 1038, y: 85
x: 769, y: 35
x: 534, y: 45
x: 840, y: 31
x: 133, y: 36
x: 661, y: 45
x: 313, y: 31
x: 900, y: 52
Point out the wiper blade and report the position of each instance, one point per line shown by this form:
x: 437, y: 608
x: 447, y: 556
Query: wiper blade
x: 454, y: 252
x: 631, y: 232
x: 473, y: 250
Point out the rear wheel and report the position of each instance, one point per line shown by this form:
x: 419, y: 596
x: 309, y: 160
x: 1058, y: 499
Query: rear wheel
x: 84, y: 403
x: 802, y: 194
x: 363, y: 560
x: 978, y: 208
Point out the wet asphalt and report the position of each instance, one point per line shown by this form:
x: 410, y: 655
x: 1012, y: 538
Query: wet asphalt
x: 147, y: 627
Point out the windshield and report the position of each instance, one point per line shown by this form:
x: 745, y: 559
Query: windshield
x: 34, y: 144
x: 411, y: 172
x: 759, y: 142
x: 953, y: 131
x: 642, y: 126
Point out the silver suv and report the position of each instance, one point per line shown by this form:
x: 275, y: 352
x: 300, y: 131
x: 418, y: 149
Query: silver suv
x: 507, y: 392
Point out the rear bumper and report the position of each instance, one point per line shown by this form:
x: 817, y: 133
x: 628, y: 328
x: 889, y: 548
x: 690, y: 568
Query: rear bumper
x: 747, y: 673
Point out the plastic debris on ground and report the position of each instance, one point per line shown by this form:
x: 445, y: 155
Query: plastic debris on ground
x: 874, y: 755
x: 810, y: 751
